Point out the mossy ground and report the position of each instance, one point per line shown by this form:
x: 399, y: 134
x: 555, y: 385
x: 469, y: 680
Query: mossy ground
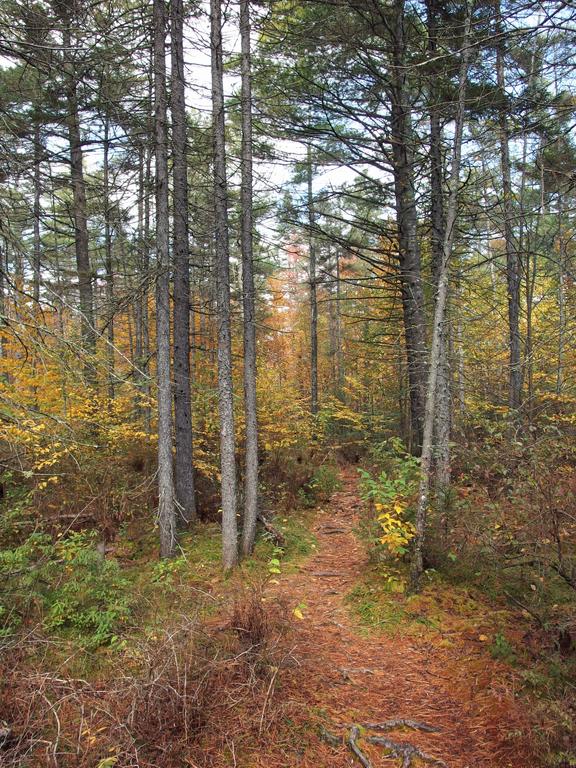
x: 458, y: 611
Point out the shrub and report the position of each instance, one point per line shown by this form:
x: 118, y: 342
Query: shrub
x: 68, y: 582
x: 325, y: 481
x: 320, y: 487
x: 24, y: 571
x: 94, y: 598
x: 389, y: 493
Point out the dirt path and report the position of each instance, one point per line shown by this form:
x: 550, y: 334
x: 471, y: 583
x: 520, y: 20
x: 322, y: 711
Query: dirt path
x: 351, y: 676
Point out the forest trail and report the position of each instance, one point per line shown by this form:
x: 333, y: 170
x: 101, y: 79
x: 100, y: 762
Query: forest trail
x: 348, y: 675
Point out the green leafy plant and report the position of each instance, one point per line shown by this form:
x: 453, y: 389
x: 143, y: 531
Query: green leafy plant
x: 501, y: 649
x: 166, y: 571
x: 67, y: 583
x: 274, y: 562
x: 26, y: 571
x: 93, y: 599
x: 398, y: 475
x: 324, y: 482
x: 389, y: 493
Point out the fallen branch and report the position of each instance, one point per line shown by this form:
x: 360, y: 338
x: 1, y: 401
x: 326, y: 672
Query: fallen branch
x: 526, y: 608
x: 5, y: 734
x: 277, y: 537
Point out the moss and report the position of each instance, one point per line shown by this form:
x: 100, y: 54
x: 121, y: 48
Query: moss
x: 377, y: 608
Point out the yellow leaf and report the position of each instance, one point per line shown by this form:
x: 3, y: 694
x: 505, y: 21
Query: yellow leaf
x: 298, y: 613
x: 108, y: 762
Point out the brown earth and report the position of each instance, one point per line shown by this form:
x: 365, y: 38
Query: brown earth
x: 339, y: 674
x: 214, y: 698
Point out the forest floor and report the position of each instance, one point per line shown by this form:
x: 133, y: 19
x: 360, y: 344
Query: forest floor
x: 275, y: 665
x: 343, y: 672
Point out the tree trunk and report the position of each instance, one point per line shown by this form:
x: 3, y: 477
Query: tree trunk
x: 512, y: 260
x: 36, y: 263
x: 108, y: 265
x: 439, y: 329
x: 461, y: 357
x: 530, y: 273
x: 83, y: 268
x: 225, y: 386
x: 145, y: 290
x: 3, y: 271
x: 313, y: 292
x: 251, y: 461
x: 436, y: 164
x: 183, y: 466
x: 442, y: 413
x: 332, y: 343
x: 139, y: 288
x: 407, y: 223
x: 339, y: 339
x: 561, y: 300
x: 166, y: 512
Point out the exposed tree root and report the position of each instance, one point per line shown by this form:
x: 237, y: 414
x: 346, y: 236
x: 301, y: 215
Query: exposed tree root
x: 330, y: 738
x: 352, y: 742
x: 401, y: 750
x: 330, y: 574
x: 406, y: 751
x: 391, y: 725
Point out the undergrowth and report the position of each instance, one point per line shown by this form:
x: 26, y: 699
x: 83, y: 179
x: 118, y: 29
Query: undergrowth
x: 188, y: 695
x: 93, y: 597
x: 499, y: 569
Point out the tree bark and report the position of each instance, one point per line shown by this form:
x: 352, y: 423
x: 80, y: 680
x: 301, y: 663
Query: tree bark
x: 313, y: 291
x: 139, y: 375
x: 512, y: 259
x: 436, y: 164
x: 146, y: 287
x: 225, y: 385
x: 166, y: 511
x: 250, y: 401
x: 339, y: 338
x: 461, y: 355
x: 332, y: 343
x: 108, y: 265
x: 442, y: 414
x: 81, y: 245
x: 439, y: 329
x: 3, y: 271
x: 561, y: 299
x: 407, y: 223
x: 36, y: 263
x: 183, y: 466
